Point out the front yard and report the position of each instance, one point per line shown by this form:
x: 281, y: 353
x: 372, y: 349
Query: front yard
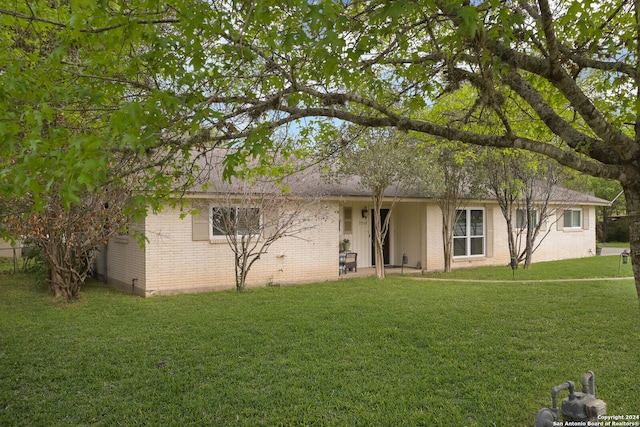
x: 357, y: 352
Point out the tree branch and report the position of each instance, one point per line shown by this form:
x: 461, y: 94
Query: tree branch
x: 576, y: 140
x: 583, y: 62
x: 546, y: 19
x: 565, y: 157
x: 569, y: 88
x: 31, y: 18
x: 35, y: 18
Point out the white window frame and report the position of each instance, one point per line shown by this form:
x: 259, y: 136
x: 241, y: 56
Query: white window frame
x: 215, y: 235
x: 520, y: 218
x: 468, y: 237
x: 572, y: 226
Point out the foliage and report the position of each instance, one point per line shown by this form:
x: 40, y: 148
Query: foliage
x: 532, y: 186
x: 381, y: 158
x: 71, y: 114
x: 608, y: 190
x: 68, y: 237
x: 385, y: 162
x: 450, y: 173
x: 618, y: 231
x: 175, y: 74
x: 84, y: 141
x: 32, y: 257
x: 359, y: 352
x: 611, y: 229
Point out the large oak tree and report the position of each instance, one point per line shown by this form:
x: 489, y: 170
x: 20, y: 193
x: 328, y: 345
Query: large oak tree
x: 240, y: 69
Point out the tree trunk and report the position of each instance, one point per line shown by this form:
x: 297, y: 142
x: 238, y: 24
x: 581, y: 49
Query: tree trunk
x: 530, y: 236
x: 379, y: 256
x: 511, y: 238
x: 447, y: 239
x: 240, y: 250
x: 528, y: 256
x: 448, y: 209
x: 632, y: 195
x: 378, y: 235
x: 55, y: 282
x: 239, y: 275
x: 64, y: 280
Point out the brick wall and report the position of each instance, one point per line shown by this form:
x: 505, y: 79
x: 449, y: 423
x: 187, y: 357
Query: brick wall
x: 173, y: 262
x: 123, y: 259
x: 176, y: 263
x: 559, y: 244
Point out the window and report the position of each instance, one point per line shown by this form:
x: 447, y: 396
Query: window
x: 521, y: 218
x: 348, y: 220
x: 235, y: 221
x: 572, y: 218
x: 469, y: 233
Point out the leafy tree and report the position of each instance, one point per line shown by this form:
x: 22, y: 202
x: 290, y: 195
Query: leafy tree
x: 243, y: 69
x: 524, y: 186
x: 502, y: 181
x: 69, y: 235
x: 74, y: 99
x: 571, y: 68
x: 80, y: 131
x: 385, y: 161
x: 450, y: 174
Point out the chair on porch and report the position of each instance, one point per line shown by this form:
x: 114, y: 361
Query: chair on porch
x: 348, y: 261
x: 351, y: 261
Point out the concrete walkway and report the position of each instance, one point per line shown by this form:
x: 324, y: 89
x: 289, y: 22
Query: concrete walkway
x: 613, y: 251
x: 593, y: 279
x: 414, y: 273
x: 371, y: 271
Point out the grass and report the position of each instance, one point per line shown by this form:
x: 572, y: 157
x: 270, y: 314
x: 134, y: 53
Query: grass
x: 620, y: 245
x: 6, y: 264
x: 358, y: 352
x: 582, y: 268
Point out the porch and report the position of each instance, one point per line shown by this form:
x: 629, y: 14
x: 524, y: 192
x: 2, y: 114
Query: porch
x: 405, y: 240
x: 371, y: 271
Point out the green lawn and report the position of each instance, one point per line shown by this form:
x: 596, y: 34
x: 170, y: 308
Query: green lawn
x: 590, y: 267
x: 358, y: 352
x: 615, y: 244
x: 6, y: 264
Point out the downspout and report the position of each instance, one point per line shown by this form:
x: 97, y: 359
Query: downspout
x: 106, y: 258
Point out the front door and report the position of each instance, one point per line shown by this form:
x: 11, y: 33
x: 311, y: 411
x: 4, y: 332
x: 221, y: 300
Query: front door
x: 385, y: 244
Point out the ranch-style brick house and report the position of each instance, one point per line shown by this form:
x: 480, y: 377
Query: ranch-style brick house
x: 183, y: 254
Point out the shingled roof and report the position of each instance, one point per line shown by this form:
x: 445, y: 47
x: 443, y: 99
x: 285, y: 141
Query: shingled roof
x: 311, y: 179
